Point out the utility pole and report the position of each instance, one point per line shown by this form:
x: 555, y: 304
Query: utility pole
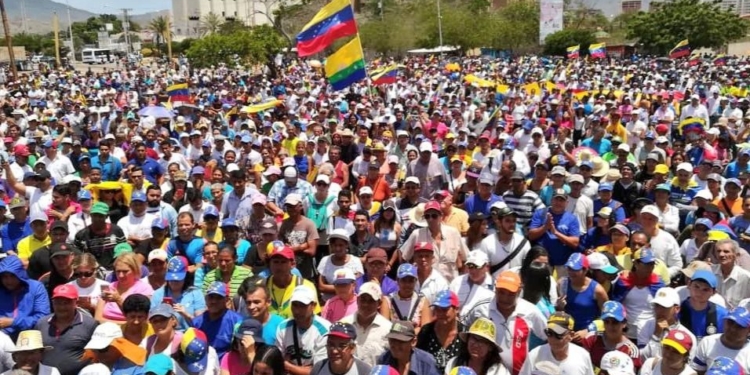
x: 8, y: 41
x: 126, y: 28
x: 70, y: 35
x: 169, y: 40
x: 23, y: 17
x: 56, y: 28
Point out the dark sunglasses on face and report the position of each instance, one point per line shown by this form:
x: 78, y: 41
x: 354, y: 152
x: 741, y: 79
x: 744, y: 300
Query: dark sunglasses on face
x: 551, y: 333
x: 83, y: 274
x: 431, y: 216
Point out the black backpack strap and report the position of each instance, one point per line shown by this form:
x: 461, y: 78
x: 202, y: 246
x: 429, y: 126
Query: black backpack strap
x: 510, y: 256
x: 414, y: 309
x: 297, y: 347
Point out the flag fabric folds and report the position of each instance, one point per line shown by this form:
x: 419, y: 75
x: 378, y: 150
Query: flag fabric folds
x: 720, y: 60
x: 385, y: 76
x: 598, y: 50
x: 574, y: 52
x: 346, y: 66
x: 178, y: 93
x: 682, y: 49
x: 333, y: 21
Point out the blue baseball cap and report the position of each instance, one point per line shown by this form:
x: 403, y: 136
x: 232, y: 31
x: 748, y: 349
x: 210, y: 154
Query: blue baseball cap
x: 577, y: 261
x: 246, y: 139
x: 406, y: 270
x: 84, y: 157
x: 164, y: 310
x: 49, y: 144
x: 706, y: 276
x: 137, y: 196
x: 528, y: 124
x: 587, y: 163
x: 745, y: 152
x: 206, y: 144
x: 445, y: 299
x: 29, y: 175
x: 605, y: 186
x: 228, y: 222
x: 177, y: 268
x: 725, y: 366
x: 739, y: 315
x: 218, y: 288
x: 509, y: 144
x: 249, y: 327
x: 645, y: 255
x: 159, y: 364
x: 613, y: 310
x: 650, y: 135
x: 211, y: 211
x: 84, y: 195
x: 159, y: 223
x: 705, y: 222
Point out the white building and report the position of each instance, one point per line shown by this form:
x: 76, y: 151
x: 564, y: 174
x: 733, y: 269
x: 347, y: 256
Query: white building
x: 187, y: 14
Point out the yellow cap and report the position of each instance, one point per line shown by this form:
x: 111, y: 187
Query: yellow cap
x: 661, y: 169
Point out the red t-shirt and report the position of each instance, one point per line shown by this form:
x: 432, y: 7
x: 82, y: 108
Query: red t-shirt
x: 594, y: 344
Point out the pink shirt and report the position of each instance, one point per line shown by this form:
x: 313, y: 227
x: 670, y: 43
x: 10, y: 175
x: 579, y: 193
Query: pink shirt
x: 232, y: 363
x: 336, y: 308
x: 113, y: 312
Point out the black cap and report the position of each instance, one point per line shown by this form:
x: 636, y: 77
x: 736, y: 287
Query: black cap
x: 250, y: 327
x: 59, y: 224
x: 56, y: 249
x: 517, y: 175
x: 477, y: 216
x: 44, y: 175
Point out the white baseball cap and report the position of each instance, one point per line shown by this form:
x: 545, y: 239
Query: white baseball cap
x: 159, y: 254
x: 365, y: 190
x: 303, y: 294
x: 477, y: 258
x: 425, y: 146
x: 599, y: 261
x: 103, y: 336
x: 687, y: 167
x: 650, y: 209
x: 617, y: 363
x: 666, y: 297
x: 372, y: 289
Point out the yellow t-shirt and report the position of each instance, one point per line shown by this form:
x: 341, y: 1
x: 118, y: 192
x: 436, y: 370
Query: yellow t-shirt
x: 281, y: 303
x: 217, y: 237
x: 625, y: 259
x: 28, y: 245
x: 290, y: 145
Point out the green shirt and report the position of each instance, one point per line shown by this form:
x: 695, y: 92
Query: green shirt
x: 238, y: 276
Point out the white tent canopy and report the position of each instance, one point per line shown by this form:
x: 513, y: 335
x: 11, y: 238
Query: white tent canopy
x: 441, y: 49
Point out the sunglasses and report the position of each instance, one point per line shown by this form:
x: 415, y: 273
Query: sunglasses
x: 551, y: 333
x: 431, y: 216
x: 83, y: 274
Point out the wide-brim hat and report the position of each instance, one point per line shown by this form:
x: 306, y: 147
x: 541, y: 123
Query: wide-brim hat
x: 416, y: 216
x: 601, y: 167
x: 29, y: 340
x: 484, y: 328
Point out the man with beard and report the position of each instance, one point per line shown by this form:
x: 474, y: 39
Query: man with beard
x: 505, y: 249
x: 340, y: 347
x: 157, y: 207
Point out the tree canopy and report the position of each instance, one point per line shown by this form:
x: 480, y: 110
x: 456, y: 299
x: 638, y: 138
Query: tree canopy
x: 705, y: 24
x: 557, y: 43
x: 85, y: 31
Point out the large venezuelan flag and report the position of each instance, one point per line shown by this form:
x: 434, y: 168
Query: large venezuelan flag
x: 682, y: 49
x: 346, y: 66
x: 574, y: 51
x: 178, y: 93
x: 333, y: 21
x: 598, y: 50
x: 385, y: 76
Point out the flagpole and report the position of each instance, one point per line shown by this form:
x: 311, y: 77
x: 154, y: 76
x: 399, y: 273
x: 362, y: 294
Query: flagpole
x: 367, y: 76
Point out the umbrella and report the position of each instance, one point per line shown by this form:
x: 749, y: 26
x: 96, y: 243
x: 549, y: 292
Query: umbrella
x: 155, y: 111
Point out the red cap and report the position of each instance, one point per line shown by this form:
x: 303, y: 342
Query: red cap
x: 21, y: 150
x: 432, y: 205
x: 441, y: 193
x: 423, y: 246
x: 662, y: 129
x: 8, y: 140
x: 485, y: 135
x: 65, y: 291
x: 678, y: 340
x: 285, y: 252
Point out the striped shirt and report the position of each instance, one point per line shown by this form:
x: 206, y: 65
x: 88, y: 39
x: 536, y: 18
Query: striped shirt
x: 524, y: 205
x: 238, y: 276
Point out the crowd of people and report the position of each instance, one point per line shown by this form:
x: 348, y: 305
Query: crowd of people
x: 475, y: 217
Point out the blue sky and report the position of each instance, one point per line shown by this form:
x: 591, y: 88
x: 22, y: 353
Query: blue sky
x: 108, y: 6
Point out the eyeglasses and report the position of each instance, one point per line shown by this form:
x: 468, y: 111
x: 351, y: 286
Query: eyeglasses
x: 551, y: 333
x: 431, y: 216
x: 339, y: 347
x: 471, y: 266
x: 83, y: 274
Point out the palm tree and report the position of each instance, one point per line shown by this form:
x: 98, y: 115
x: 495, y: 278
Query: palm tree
x: 160, y: 27
x: 210, y: 24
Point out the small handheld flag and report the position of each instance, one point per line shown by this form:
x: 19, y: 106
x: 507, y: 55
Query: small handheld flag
x: 682, y: 49
x: 574, y: 51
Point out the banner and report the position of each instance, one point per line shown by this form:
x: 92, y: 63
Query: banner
x: 550, y: 18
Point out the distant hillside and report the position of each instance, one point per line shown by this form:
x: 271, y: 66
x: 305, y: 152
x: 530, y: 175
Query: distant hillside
x: 39, y: 15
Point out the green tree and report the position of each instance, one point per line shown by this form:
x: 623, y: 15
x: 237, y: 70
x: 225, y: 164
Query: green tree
x: 161, y: 29
x: 256, y: 45
x: 211, y: 23
x: 557, y: 43
x: 705, y: 24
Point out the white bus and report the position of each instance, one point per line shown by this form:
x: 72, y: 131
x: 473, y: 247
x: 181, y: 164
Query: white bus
x: 97, y: 55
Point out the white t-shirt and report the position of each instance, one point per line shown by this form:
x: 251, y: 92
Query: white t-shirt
x: 469, y: 296
x: 652, y: 366
x: 312, y: 341
x: 78, y: 222
x: 326, y: 268
x: 197, y: 215
x: 59, y: 167
x: 711, y: 348
x: 578, y: 361
x: 39, y: 201
x: 94, y: 291
x: 583, y: 208
x: 136, y: 226
x: 497, y: 252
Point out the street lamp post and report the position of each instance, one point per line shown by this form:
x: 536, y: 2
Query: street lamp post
x: 440, y: 26
x: 70, y: 34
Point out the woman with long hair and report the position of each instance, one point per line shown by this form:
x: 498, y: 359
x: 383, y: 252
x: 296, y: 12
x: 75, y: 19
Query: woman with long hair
x: 179, y: 292
x: 538, y: 286
x: 166, y: 338
x: 227, y: 271
x: 580, y: 296
x: 387, y: 229
x: 479, y: 350
x: 128, y: 271
x: 477, y: 231
x: 441, y: 336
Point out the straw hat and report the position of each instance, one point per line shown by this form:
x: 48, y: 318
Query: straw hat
x: 484, y: 328
x: 416, y: 216
x: 29, y: 340
x: 601, y: 167
x: 612, y: 176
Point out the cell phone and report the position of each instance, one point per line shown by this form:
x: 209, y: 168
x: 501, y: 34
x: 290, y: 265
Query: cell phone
x: 104, y: 288
x: 168, y: 301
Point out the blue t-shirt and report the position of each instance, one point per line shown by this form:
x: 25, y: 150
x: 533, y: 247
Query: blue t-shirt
x: 567, y: 224
x: 192, y: 250
x: 242, y: 249
x: 270, y: 328
x: 733, y: 170
x: 699, y: 320
x: 475, y: 204
x: 191, y: 299
x: 151, y: 169
x: 220, y: 331
x: 740, y: 225
x: 616, y: 207
x: 13, y: 232
x: 602, y: 147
